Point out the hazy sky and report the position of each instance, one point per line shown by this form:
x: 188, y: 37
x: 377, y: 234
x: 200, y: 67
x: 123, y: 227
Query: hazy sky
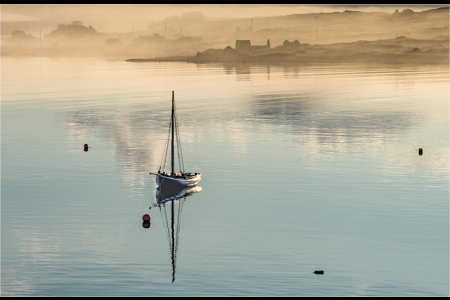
x: 149, y: 12
x: 128, y: 17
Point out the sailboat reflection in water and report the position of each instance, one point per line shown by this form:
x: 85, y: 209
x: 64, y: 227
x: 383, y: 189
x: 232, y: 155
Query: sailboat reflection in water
x: 171, y: 196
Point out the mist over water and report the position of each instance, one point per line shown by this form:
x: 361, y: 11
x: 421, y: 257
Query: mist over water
x: 150, y: 31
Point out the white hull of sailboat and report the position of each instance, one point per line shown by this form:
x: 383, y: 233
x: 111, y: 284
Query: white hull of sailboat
x: 188, y: 180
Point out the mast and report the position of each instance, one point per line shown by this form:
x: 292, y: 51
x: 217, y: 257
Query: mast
x: 173, y: 134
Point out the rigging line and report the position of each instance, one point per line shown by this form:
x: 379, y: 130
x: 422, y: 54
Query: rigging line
x: 180, y: 207
x: 179, y: 149
x: 173, y: 240
x: 153, y: 201
x: 180, y: 157
x: 164, y: 157
x: 180, y: 153
x: 169, y: 238
x: 176, y: 135
x: 165, y: 222
x: 176, y: 232
x: 163, y: 161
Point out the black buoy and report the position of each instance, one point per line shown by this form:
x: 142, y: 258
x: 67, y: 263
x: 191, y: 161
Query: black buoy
x: 318, y: 272
x: 86, y: 147
x: 420, y: 151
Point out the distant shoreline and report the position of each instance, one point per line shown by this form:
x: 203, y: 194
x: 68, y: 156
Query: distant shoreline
x: 356, y: 59
x: 400, y: 50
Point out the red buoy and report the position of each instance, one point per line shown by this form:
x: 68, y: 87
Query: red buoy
x: 146, y: 218
x: 146, y: 224
x: 86, y: 147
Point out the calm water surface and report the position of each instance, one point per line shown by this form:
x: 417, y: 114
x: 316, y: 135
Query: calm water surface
x: 303, y: 168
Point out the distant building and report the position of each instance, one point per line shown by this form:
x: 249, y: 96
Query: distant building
x: 245, y: 45
x: 242, y: 45
x: 294, y: 44
x: 228, y: 49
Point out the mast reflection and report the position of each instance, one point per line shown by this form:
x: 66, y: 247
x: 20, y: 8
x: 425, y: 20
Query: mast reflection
x: 170, y: 199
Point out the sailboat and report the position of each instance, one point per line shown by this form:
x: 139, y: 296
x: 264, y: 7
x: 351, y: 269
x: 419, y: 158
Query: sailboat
x: 173, y: 195
x: 181, y: 177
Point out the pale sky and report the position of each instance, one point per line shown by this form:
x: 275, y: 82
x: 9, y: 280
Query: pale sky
x: 127, y: 17
x: 157, y: 12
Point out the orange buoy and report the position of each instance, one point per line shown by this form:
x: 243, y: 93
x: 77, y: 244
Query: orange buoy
x: 146, y: 218
x: 86, y: 147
